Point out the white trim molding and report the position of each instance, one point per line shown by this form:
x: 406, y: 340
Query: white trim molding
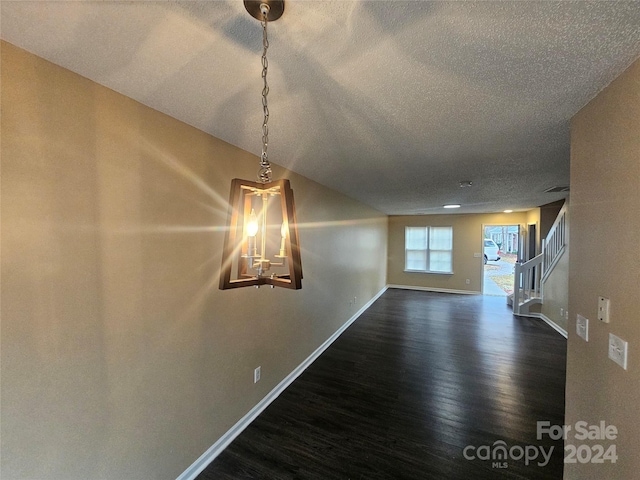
x: 438, y: 290
x: 212, y: 452
x: 548, y: 321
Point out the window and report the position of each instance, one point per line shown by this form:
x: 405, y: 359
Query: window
x: 428, y: 249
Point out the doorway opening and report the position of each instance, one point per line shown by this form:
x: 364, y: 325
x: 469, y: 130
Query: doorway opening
x: 500, y: 252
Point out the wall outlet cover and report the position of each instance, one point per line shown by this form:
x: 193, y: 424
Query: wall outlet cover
x: 582, y: 327
x: 618, y: 350
x: 603, y: 309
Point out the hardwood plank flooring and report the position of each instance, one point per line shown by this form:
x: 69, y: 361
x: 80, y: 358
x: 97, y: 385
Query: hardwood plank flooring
x: 416, y: 379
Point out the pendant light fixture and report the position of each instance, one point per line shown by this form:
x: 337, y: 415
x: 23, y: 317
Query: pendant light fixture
x: 261, y: 245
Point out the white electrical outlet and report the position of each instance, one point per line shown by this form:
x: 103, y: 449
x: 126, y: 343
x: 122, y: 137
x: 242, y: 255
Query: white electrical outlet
x: 256, y: 375
x: 562, y: 312
x: 582, y: 327
x: 603, y: 309
x: 477, y: 255
x: 618, y: 350
x: 467, y: 281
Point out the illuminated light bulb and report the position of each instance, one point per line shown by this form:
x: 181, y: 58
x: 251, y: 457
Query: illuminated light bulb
x: 252, y: 224
x: 283, y: 234
x: 252, y: 231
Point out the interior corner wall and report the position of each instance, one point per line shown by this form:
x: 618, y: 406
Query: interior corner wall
x: 120, y: 356
x: 467, y: 241
x: 605, y: 261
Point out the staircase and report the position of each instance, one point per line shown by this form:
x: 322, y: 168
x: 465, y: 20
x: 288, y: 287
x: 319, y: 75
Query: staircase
x: 530, y: 275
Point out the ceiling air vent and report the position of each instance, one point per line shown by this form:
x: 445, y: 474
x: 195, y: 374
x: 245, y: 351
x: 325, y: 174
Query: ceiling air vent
x: 557, y: 189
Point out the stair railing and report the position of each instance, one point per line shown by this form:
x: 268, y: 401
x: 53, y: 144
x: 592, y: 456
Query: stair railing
x: 555, y: 243
x: 528, y: 281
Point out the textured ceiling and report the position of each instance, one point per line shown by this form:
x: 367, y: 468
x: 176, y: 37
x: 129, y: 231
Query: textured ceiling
x: 391, y: 102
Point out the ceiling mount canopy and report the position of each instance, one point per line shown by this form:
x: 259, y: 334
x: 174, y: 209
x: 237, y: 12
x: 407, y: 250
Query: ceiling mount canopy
x: 274, y: 11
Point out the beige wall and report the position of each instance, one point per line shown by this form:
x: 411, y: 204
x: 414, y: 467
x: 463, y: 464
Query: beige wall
x: 533, y: 217
x: 120, y: 356
x: 605, y: 260
x: 467, y: 240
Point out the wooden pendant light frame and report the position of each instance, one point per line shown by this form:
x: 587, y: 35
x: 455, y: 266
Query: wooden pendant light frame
x: 235, y: 243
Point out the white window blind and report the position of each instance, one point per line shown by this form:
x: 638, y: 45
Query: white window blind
x: 429, y: 249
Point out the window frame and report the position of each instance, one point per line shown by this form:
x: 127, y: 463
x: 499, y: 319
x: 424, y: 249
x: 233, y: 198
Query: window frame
x: 428, y: 250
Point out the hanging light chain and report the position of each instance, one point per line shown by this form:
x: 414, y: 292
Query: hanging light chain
x: 264, y: 174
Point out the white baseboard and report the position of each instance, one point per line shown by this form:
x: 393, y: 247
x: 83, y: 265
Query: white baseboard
x: 431, y: 289
x: 548, y: 321
x: 207, y: 457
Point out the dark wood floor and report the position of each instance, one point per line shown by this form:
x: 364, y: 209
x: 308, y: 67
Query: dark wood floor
x: 417, y: 378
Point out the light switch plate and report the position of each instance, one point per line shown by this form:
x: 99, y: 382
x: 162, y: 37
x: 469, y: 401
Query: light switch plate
x: 582, y: 327
x: 618, y: 350
x: 603, y: 309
